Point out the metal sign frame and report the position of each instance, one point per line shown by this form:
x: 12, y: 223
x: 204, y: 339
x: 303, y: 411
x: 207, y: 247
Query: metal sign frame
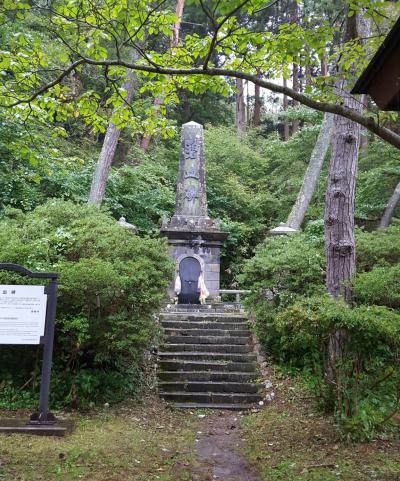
x: 43, y: 416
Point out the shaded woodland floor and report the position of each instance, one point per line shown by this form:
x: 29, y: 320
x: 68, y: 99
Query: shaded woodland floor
x: 287, y: 440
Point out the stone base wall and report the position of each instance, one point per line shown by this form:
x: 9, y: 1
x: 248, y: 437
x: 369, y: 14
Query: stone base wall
x: 209, y: 258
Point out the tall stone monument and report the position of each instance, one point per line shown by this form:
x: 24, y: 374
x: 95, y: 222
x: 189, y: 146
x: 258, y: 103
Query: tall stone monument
x: 194, y: 239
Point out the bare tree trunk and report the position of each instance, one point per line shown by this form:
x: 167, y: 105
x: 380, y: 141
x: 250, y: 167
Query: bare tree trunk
x: 286, y: 130
x: 257, y: 106
x: 339, y: 214
x: 364, y: 140
x: 296, y: 216
x: 108, y: 149
x: 248, y: 116
x: 295, y: 103
x: 176, y: 28
x: 340, y: 195
x: 180, y: 5
x: 339, y: 203
x: 390, y: 208
x: 240, y: 108
x: 296, y: 69
x: 324, y: 67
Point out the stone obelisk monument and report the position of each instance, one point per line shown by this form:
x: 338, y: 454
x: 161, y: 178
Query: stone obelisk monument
x: 194, y: 239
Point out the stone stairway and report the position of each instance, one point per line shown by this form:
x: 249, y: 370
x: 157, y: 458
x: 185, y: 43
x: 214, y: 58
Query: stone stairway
x: 207, y: 359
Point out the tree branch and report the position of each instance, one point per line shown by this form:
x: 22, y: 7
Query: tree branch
x: 368, y: 122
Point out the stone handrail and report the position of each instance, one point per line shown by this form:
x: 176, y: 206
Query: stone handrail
x: 235, y: 292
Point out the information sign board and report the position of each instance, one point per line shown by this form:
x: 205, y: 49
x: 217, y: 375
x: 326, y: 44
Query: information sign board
x: 22, y: 314
x: 27, y: 316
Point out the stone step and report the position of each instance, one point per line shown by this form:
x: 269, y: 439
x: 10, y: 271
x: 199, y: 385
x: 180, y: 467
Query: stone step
x: 228, y: 407
x: 221, y: 387
x: 232, y: 326
x: 228, y: 307
x: 204, y: 397
x: 208, y: 340
x: 207, y: 332
x: 201, y: 317
x: 207, y: 376
x: 208, y: 356
x: 227, y: 348
x: 181, y: 365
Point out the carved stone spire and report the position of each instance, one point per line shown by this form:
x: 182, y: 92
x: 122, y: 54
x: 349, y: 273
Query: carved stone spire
x: 191, y: 199
x: 194, y: 239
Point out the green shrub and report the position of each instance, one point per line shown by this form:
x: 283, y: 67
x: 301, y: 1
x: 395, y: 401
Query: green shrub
x: 378, y: 248
x: 380, y: 286
x: 282, y: 269
x: 111, y: 284
x: 366, y: 380
x: 285, y: 266
x: 295, y: 320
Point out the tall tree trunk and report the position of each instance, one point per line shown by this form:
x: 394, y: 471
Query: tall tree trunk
x: 339, y: 214
x: 296, y: 68
x: 296, y: 88
x: 240, y: 108
x: 257, y: 106
x: 176, y: 28
x: 248, y: 108
x: 339, y: 203
x: 390, y: 208
x: 324, y: 66
x: 364, y: 139
x: 296, y: 216
x: 286, y: 129
x: 340, y: 195
x: 108, y: 149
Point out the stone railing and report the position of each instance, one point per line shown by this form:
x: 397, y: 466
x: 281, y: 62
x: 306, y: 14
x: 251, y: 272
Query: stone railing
x: 233, y: 292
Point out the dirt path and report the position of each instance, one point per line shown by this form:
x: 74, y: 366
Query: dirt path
x: 217, y: 448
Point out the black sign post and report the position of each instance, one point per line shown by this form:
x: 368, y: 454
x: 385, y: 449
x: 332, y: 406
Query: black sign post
x: 41, y: 421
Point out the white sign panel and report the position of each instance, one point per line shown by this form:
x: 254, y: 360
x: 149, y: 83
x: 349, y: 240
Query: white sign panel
x: 22, y: 314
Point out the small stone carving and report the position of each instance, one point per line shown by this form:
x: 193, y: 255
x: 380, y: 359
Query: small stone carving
x: 191, y: 148
x: 132, y: 228
x: 191, y: 193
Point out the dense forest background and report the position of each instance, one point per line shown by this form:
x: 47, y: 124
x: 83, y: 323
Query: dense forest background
x: 258, y: 147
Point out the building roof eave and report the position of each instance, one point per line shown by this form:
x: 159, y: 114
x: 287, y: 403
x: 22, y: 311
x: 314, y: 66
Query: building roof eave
x: 391, y: 42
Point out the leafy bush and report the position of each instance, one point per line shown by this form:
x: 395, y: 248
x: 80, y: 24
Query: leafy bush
x: 282, y: 269
x: 285, y: 266
x: 378, y: 248
x: 368, y: 374
x: 379, y: 171
x: 380, y: 286
x: 111, y: 283
x: 295, y: 320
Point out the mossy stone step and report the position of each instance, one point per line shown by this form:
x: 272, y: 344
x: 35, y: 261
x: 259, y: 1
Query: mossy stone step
x: 207, y: 359
x: 213, y: 397
x: 224, y: 348
x: 208, y: 339
x: 208, y: 332
x: 226, y: 406
x: 201, y: 386
x: 177, y: 365
x: 204, y: 356
x: 207, y: 376
x: 205, y: 325
x: 201, y: 317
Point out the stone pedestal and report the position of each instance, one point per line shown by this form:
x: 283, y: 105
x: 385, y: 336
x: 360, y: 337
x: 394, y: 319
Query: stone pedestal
x: 190, y: 232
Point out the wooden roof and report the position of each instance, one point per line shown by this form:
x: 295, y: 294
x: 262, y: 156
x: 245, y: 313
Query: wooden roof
x: 381, y: 78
